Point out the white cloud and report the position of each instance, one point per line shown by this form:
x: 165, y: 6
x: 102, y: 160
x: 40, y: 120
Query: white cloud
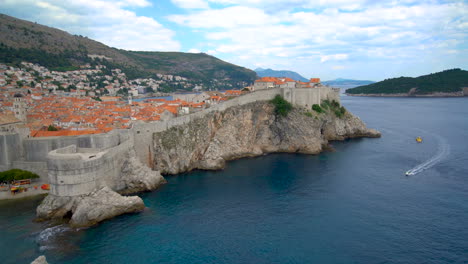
x: 193, y: 51
x: 191, y: 4
x: 103, y: 20
x: 338, y: 67
x: 230, y: 17
x: 334, y: 57
x: 373, y: 31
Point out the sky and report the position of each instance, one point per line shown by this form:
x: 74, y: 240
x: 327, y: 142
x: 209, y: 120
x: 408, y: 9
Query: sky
x: 328, y: 39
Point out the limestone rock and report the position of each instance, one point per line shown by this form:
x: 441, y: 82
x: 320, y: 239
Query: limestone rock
x: 103, y: 204
x: 137, y: 177
x: 54, y: 207
x: 87, y: 210
x: 40, y: 260
x: 249, y: 130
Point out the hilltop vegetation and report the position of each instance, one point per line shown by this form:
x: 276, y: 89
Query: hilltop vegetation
x: 21, y: 40
x: 273, y: 73
x: 447, y: 81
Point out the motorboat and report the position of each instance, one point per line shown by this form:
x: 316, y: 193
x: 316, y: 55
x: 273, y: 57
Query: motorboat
x: 419, y: 139
x: 408, y: 173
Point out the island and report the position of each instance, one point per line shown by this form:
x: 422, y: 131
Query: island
x: 448, y: 83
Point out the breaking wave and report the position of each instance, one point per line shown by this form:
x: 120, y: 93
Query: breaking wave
x: 47, y: 237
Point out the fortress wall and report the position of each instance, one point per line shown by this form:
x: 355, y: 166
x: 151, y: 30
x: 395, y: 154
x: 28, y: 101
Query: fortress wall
x: 36, y: 149
x: 10, y: 146
x: 143, y: 132
x: 76, y: 171
x: 330, y: 94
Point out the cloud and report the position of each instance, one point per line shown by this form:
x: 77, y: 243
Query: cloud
x: 336, y: 57
x: 309, y: 33
x: 193, y: 51
x: 106, y: 21
x: 190, y: 4
x: 230, y: 17
x: 338, y: 67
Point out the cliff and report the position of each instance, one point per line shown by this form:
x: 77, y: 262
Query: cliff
x: 246, y: 131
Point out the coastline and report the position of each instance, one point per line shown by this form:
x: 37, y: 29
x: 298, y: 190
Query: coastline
x: 463, y: 93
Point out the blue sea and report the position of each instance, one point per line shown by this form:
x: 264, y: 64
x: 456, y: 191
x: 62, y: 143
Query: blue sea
x: 350, y: 205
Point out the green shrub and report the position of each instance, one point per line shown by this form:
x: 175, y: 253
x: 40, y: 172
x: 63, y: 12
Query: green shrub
x: 343, y: 110
x: 335, y: 104
x: 309, y: 114
x: 317, y: 108
x: 16, y: 174
x: 282, y: 107
x: 325, y: 104
x: 338, y: 113
x: 51, y: 128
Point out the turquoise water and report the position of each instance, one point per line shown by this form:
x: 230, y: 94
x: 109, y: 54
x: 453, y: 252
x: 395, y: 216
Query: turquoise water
x: 353, y: 205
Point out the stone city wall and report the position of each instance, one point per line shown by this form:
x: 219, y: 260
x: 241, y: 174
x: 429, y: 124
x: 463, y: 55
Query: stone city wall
x: 76, y: 171
x: 77, y: 165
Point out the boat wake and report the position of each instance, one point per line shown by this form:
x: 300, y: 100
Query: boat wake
x: 443, y: 150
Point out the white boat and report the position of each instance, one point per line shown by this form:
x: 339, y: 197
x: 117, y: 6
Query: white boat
x: 408, y: 173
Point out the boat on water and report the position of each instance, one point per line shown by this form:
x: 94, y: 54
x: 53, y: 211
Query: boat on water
x: 408, y: 173
x: 419, y: 139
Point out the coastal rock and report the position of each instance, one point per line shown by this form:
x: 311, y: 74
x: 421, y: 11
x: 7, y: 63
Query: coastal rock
x: 87, y: 210
x: 138, y: 177
x: 247, y: 131
x: 40, y: 260
x: 103, y: 204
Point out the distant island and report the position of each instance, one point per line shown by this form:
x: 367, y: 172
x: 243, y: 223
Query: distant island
x: 347, y: 82
x: 281, y: 73
x: 453, y: 82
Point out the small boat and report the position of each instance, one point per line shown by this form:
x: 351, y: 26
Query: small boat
x: 419, y: 139
x: 408, y: 173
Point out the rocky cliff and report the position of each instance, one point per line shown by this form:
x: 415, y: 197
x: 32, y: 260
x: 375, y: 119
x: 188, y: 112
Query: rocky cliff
x: 249, y: 130
x: 103, y: 203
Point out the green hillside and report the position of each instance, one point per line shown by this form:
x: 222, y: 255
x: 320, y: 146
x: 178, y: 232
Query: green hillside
x: 22, y: 40
x: 446, y: 81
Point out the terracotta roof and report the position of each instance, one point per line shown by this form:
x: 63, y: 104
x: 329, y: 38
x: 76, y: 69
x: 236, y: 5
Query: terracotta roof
x: 6, y: 118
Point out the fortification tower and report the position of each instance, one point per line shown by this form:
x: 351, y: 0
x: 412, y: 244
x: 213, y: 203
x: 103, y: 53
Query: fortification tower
x: 19, y: 107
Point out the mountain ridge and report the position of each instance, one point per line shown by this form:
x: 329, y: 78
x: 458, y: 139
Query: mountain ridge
x: 280, y: 73
x: 22, y: 40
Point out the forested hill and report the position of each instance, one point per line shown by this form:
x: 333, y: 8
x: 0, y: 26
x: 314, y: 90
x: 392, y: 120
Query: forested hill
x: 22, y: 40
x: 448, y: 81
x: 273, y: 73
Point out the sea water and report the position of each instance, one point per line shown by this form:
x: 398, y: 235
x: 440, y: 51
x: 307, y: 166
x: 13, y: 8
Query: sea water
x: 350, y: 205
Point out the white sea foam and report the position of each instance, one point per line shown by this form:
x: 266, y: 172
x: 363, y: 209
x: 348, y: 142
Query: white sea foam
x: 46, y: 236
x: 443, y: 150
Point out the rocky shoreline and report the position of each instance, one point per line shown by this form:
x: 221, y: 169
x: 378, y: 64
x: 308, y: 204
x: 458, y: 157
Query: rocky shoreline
x: 103, y: 203
x: 206, y: 143
x: 247, y: 131
x: 438, y: 94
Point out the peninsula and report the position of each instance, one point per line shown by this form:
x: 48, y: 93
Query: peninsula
x: 68, y: 116
x: 449, y: 83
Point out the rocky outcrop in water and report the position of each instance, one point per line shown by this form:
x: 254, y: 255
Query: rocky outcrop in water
x: 87, y: 210
x: 40, y: 260
x: 249, y: 130
x: 103, y: 203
